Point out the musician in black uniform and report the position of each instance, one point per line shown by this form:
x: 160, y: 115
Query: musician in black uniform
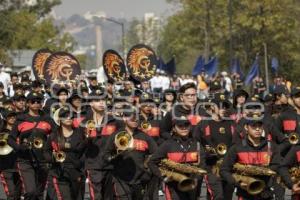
x: 253, y: 150
x: 217, y: 135
x: 186, y: 107
x: 180, y: 148
x: 97, y: 126
x: 63, y: 150
x: 130, y: 177
x: 292, y: 159
x: 31, y: 164
x: 8, y: 174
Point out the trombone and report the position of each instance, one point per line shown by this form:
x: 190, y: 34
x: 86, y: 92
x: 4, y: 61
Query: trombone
x: 5, y: 149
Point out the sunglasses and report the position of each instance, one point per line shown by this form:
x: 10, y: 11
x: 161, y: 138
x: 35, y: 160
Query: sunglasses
x: 35, y: 101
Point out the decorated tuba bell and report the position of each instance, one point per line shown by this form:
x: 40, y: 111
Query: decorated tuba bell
x: 293, y: 138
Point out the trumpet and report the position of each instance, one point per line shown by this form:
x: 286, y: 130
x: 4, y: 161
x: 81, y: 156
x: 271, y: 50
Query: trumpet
x: 293, y: 138
x: 5, y: 149
x: 253, y: 186
x: 145, y: 125
x: 221, y: 149
x: 38, y: 143
x: 59, y: 156
x: 90, y: 126
x: 123, y: 141
x: 184, y: 183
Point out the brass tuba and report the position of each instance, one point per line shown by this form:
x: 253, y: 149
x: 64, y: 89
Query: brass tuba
x: 123, y: 141
x: 293, y: 138
x: 253, y: 186
x: 38, y: 143
x: 59, y: 156
x: 5, y: 149
x: 221, y: 149
x: 184, y: 183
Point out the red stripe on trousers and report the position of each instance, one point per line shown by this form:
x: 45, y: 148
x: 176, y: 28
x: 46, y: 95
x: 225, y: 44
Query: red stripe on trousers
x: 167, y: 193
x: 4, y: 183
x: 91, y: 187
x: 240, y: 198
x: 21, y: 178
x: 208, y: 188
x: 59, y: 197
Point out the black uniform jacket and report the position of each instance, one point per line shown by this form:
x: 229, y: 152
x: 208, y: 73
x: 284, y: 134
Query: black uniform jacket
x: 129, y: 166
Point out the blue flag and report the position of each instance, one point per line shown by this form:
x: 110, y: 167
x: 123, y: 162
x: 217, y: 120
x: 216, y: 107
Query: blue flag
x: 199, y: 66
x: 212, y: 66
x: 254, y: 71
x: 274, y: 65
x: 170, y: 67
x: 236, y: 68
x: 161, y: 64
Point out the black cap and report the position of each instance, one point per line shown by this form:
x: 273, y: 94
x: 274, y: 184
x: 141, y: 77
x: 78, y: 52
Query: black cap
x: 17, y: 86
x: 181, y: 121
x: 64, y: 112
x: 268, y: 97
x: 254, y: 118
x: 129, y: 111
x: 34, y: 96
x: 36, y: 83
x: 97, y: 94
x: 8, y: 113
x: 215, y: 85
x: 295, y: 91
x: 146, y: 98
x: 221, y: 100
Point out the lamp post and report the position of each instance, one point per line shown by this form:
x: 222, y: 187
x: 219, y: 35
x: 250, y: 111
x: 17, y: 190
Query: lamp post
x: 123, y: 33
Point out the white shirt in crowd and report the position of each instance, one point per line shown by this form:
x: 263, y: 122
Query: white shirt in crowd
x: 228, y: 84
x: 5, y: 79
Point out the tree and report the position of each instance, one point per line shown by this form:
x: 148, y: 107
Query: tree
x: 233, y: 28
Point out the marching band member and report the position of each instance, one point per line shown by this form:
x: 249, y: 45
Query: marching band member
x: 64, y: 149
x: 28, y: 137
x: 180, y: 148
x: 255, y: 150
x: 127, y: 151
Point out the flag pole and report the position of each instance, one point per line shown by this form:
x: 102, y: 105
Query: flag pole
x: 266, y: 67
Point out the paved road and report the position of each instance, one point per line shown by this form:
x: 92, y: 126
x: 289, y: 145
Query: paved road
x: 203, y: 197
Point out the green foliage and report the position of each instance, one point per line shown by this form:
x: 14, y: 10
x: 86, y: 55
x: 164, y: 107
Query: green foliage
x: 26, y: 27
x: 212, y: 26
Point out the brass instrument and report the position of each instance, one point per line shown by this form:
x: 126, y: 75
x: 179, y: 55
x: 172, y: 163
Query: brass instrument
x: 184, y: 183
x: 176, y: 172
x: 221, y: 149
x: 210, y: 150
x: 243, y: 173
x: 293, y: 138
x: 38, y: 143
x: 253, y: 186
x: 295, y: 174
x: 90, y: 126
x: 123, y: 141
x: 183, y: 168
x: 5, y: 149
x: 145, y: 125
x: 251, y: 170
x: 59, y: 156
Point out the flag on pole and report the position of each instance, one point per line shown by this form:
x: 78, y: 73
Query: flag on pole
x: 254, y: 71
x: 199, y: 66
x: 170, y: 67
x: 236, y: 68
x: 212, y: 66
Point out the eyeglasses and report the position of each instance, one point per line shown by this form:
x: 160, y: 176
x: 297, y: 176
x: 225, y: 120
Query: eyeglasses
x: 189, y: 95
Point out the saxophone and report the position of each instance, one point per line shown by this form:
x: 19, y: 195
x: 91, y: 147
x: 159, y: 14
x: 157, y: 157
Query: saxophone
x: 243, y: 173
x: 183, y: 168
x: 177, y: 172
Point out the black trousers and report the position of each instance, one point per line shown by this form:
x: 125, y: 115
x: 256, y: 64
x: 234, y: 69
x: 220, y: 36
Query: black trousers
x: 64, y: 189
x: 33, y: 179
x: 172, y: 192
x: 217, y: 189
x: 125, y: 191
x: 11, y: 184
x: 100, y: 184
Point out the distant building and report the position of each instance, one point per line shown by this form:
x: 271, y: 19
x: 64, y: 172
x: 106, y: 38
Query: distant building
x: 90, y: 15
x: 21, y: 59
